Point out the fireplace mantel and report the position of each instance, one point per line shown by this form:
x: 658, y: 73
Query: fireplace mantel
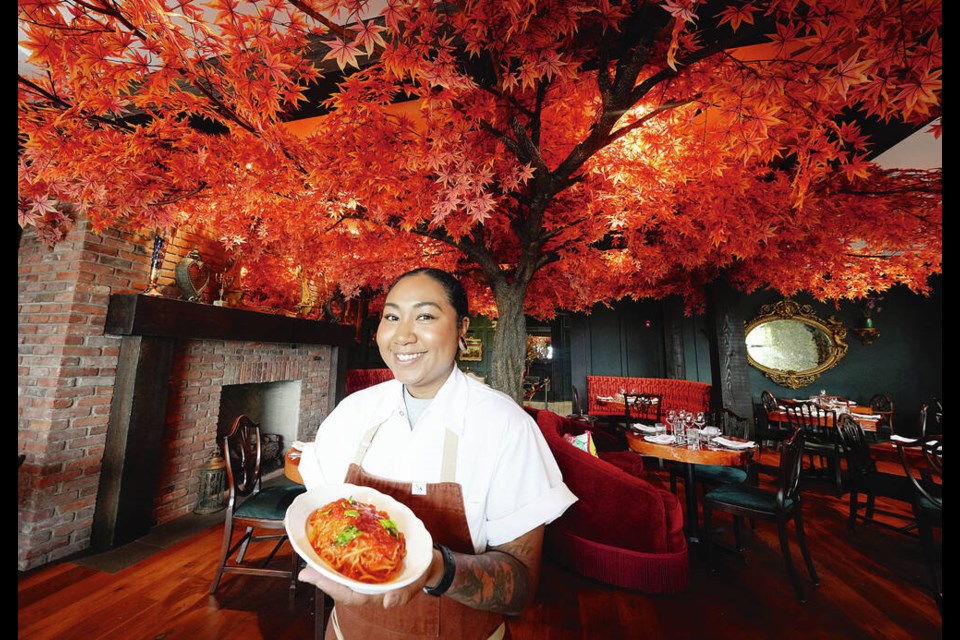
x: 150, y: 328
x: 143, y: 315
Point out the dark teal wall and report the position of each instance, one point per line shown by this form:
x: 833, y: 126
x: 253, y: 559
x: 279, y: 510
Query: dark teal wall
x: 905, y: 362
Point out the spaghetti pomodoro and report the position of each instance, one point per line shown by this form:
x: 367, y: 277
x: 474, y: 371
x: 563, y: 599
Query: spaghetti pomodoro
x: 357, y: 540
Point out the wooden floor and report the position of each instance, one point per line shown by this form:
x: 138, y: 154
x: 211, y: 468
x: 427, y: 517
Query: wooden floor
x: 873, y: 585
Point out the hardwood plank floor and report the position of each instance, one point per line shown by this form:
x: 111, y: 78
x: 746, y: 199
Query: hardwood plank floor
x: 873, y: 585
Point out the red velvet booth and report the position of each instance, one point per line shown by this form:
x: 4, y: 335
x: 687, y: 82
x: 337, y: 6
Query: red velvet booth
x: 623, y: 530
x: 677, y: 394
x: 362, y: 378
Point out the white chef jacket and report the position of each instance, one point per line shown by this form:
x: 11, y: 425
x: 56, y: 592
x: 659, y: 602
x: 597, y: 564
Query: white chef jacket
x: 510, y: 481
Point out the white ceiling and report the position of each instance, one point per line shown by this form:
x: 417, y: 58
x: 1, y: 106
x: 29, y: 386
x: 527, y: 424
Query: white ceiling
x: 921, y: 150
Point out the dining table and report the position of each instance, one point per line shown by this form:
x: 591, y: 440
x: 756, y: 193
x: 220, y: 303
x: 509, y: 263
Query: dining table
x: 864, y: 416
x: 322, y: 604
x: 739, y: 453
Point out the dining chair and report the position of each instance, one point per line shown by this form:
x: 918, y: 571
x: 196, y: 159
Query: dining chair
x: 254, y: 510
x: 820, y: 439
x: 865, y: 480
x: 768, y: 430
x: 931, y: 417
x: 577, y: 411
x: 642, y: 407
x: 711, y: 475
x: 744, y: 500
x: 922, y: 461
x: 882, y: 405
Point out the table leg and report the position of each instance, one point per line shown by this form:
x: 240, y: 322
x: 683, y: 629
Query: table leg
x: 690, y: 495
x: 320, y: 614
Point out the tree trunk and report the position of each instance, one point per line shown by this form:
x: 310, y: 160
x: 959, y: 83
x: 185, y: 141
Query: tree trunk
x: 509, y: 341
x: 728, y: 351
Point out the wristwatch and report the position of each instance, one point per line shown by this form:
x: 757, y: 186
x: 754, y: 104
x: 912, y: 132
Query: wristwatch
x: 449, y: 569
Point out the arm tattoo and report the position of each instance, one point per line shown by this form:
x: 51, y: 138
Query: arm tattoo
x: 502, y: 579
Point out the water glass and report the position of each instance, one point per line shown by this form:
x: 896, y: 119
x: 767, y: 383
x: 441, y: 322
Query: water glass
x: 679, y: 432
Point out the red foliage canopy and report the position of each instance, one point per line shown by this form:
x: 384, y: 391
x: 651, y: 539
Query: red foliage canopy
x: 556, y: 152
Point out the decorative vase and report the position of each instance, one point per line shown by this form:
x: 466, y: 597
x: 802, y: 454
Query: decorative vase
x: 156, y: 260
x: 868, y: 323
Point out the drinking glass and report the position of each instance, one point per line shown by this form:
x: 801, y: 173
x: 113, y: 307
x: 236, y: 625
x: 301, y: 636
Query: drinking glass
x: 679, y: 427
x: 700, y: 421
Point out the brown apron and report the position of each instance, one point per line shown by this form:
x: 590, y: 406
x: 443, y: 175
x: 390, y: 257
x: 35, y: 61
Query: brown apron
x: 440, y: 507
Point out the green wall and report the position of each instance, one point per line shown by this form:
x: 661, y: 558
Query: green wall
x: 905, y: 362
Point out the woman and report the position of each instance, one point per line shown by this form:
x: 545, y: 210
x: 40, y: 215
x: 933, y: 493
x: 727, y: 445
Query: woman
x: 467, y: 459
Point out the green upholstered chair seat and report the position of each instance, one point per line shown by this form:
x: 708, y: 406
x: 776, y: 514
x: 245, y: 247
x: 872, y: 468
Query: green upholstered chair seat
x: 930, y: 511
x: 270, y: 504
x: 747, y: 496
x: 713, y: 474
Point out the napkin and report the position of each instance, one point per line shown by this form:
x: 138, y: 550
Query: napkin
x: 663, y: 438
x: 604, y: 398
x: 734, y: 444
x: 643, y: 428
x: 865, y: 416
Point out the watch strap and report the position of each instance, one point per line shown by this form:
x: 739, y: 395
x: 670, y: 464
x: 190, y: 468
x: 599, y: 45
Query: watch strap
x: 449, y: 570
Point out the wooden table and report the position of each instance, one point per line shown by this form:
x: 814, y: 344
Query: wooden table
x: 868, y: 424
x: 688, y: 458
x: 322, y: 605
x: 291, y: 465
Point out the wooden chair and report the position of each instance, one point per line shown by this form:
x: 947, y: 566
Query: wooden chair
x: 577, y: 410
x: 711, y: 475
x: 255, y: 510
x: 931, y: 417
x: 820, y: 438
x: 866, y: 480
x: 642, y: 407
x: 882, y: 405
x: 744, y: 500
x: 925, y: 473
x: 766, y: 430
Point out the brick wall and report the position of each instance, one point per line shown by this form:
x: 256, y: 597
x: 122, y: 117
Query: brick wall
x: 66, y: 369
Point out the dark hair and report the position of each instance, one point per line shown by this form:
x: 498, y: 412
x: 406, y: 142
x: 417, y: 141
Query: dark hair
x: 456, y: 294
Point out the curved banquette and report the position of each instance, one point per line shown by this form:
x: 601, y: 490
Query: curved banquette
x: 623, y: 530
x: 677, y: 394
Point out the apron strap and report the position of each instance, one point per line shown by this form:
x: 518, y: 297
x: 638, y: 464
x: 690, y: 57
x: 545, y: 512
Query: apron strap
x: 365, y: 443
x: 448, y: 468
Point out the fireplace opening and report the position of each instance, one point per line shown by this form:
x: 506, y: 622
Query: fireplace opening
x: 275, y: 406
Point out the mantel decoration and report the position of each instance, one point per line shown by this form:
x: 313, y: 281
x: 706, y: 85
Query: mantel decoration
x: 156, y: 260
x: 791, y: 345
x: 193, y: 275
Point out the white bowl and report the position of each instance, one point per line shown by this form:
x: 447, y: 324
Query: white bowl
x: 418, y: 540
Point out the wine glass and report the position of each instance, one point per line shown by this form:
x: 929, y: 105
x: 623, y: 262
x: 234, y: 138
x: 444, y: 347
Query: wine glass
x: 700, y: 421
x: 671, y: 419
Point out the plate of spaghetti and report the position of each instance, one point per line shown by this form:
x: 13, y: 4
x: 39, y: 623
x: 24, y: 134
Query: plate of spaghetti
x: 359, y: 537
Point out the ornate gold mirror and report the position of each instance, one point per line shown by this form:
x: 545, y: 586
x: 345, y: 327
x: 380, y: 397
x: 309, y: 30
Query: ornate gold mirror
x: 791, y: 345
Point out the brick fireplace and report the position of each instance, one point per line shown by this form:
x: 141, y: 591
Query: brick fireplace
x: 119, y: 393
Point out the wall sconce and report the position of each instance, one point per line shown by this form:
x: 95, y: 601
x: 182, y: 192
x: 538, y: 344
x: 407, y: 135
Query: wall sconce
x: 867, y: 334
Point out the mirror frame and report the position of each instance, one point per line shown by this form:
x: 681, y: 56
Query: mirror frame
x: 791, y: 310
